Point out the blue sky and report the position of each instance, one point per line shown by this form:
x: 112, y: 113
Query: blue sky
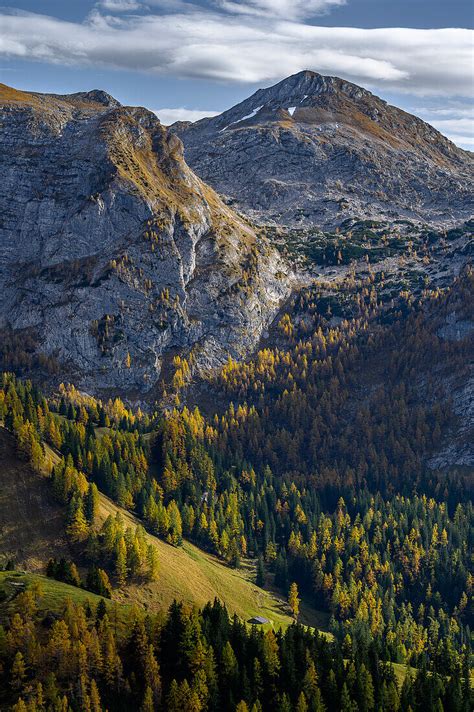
x: 189, y: 58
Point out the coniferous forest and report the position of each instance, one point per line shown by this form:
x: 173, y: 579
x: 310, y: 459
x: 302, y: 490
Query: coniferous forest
x: 301, y: 460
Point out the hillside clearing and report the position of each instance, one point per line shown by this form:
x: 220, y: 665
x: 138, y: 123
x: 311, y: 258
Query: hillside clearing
x: 189, y: 574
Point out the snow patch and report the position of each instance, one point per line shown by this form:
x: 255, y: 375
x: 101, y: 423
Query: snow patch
x: 291, y: 110
x: 249, y: 116
x: 244, y: 118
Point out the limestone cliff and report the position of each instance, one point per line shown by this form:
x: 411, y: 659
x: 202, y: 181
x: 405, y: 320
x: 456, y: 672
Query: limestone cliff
x: 113, y: 254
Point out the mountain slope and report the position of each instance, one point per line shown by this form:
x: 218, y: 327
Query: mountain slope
x: 317, y: 150
x: 32, y: 531
x: 113, y: 254
x: 31, y: 522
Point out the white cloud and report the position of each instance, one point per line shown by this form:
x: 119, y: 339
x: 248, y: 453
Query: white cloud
x: 210, y: 44
x: 459, y: 131
x: 119, y: 5
x: 455, y: 110
x: 466, y: 142
x: 455, y: 119
x: 455, y: 126
x: 144, y: 5
x: 169, y: 116
x: 288, y: 9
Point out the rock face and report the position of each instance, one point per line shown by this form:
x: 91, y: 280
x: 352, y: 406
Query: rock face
x: 113, y: 254
x: 315, y: 150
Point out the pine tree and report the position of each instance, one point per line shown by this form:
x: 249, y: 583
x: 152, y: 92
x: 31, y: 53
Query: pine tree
x: 242, y: 707
x: 284, y: 704
x: 311, y: 688
x: 101, y: 609
x: 271, y: 653
x: 37, y: 459
x: 302, y: 705
x: 193, y: 703
x: 173, y: 701
x: 91, y: 507
x: 98, y: 582
x: 347, y: 705
x: 77, y: 528
x: 75, y: 579
x: 151, y: 673
x: 39, y: 695
x: 175, y: 535
x: 95, y: 697
x: 229, y: 663
x: 365, y: 687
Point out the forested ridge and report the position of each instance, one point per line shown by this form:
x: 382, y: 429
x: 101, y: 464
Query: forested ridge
x: 316, y: 467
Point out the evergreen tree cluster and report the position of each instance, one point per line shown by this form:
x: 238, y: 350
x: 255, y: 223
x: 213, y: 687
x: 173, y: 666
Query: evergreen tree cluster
x: 201, y: 661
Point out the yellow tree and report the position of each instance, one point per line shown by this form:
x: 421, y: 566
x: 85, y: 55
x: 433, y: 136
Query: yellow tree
x: 95, y: 698
x: 121, y: 561
x: 148, y: 705
x: 77, y: 528
x: 302, y: 705
x: 18, y: 673
x: 294, y: 600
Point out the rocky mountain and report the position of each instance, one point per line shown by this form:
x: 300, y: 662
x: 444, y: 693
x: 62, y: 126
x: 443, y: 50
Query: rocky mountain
x: 114, y: 256
x: 117, y: 261
x: 316, y: 150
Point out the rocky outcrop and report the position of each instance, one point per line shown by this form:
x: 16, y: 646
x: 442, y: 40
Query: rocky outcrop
x: 457, y: 450
x: 315, y: 150
x: 113, y: 254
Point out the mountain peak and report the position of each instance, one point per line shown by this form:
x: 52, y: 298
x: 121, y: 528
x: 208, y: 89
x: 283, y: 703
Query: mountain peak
x: 94, y: 96
x: 313, y: 82
x: 89, y: 100
x: 125, y: 252
x: 305, y: 89
x: 320, y: 149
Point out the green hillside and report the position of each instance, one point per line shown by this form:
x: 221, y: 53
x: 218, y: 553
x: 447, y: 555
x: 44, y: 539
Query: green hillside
x: 32, y: 523
x: 53, y: 593
x: 189, y: 574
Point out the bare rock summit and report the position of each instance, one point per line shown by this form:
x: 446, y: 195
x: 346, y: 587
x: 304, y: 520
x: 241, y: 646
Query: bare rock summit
x: 317, y: 150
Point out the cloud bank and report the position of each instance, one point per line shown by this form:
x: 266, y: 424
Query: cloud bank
x: 258, y: 41
x: 169, y: 116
